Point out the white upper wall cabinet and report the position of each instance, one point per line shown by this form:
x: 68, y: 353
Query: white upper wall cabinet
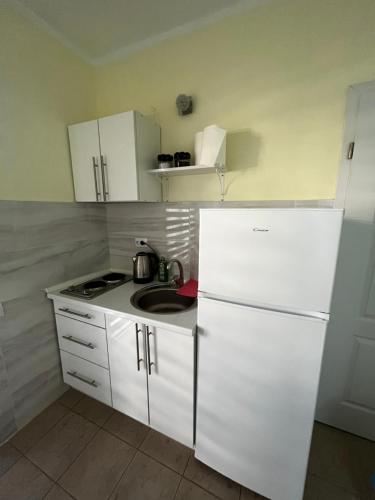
x: 111, y: 157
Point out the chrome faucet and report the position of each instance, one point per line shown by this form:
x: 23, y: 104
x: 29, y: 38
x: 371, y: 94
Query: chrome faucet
x: 176, y: 280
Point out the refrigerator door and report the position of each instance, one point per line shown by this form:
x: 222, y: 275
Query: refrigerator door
x: 258, y: 374
x: 285, y: 258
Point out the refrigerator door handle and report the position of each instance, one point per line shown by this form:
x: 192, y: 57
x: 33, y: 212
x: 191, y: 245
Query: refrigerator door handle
x: 323, y: 316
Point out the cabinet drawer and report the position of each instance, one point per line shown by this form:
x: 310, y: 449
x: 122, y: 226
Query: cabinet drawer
x: 86, y: 377
x: 83, y: 340
x: 80, y: 312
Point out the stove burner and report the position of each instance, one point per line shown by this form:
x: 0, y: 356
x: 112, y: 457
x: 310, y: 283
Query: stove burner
x: 93, y: 286
x: 113, y: 277
x: 91, y: 289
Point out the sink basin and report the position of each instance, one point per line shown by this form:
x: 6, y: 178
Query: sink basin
x: 161, y: 299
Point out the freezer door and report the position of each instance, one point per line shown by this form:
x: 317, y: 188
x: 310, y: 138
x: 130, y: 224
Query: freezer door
x: 258, y: 374
x: 282, y: 257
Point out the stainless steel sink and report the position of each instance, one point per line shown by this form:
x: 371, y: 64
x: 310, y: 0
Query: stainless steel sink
x: 161, y: 299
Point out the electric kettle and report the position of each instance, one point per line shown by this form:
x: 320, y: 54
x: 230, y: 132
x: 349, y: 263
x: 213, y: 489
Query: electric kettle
x: 145, y: 265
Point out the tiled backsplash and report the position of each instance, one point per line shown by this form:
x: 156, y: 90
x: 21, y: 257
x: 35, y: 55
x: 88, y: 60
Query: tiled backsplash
x: 172, y: 228
x: 42, y: 244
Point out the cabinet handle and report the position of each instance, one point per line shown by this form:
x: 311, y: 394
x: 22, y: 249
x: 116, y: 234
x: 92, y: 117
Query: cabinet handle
x: 95, y: 167
x: 139, y: 360
x: 88, y: 381
x: 74, y: 313
x: 103, y: 164
x: 77, y: 341
x: 150, y: 363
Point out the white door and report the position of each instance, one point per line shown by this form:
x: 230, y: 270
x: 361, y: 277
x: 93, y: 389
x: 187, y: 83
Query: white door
x: 118, y: 161
x: 347, y: 388
x: 258, y: 374
x: 171, y: 384
x: 285, y: 258
x: 85, y: 154
x: 127, y: 362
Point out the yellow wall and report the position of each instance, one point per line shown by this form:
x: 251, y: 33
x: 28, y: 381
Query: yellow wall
x: 43, y: 87
x: 275, y: 77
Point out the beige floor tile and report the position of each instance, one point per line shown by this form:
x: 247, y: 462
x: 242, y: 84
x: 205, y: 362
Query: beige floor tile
x: 8, y: 457
x: 57, y: 449
x: 211, y: 480
x: 70, y: 398
x: 37, y: 428
x: 95, y: 473
x: 342, y: 459
x: 319, y: 489
x: 146, y: 479
x: 24, y: 481
x: 166, y: 450
x: 93, y: 410
x: 250, y: 495
x: 126, y: 428
x: 57, y: 493
x: 190, y: 491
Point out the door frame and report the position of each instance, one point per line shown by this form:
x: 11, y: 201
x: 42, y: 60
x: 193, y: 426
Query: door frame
x: 350, y: 122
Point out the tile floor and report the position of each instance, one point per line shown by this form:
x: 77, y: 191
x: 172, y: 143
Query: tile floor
x: 81, y: 449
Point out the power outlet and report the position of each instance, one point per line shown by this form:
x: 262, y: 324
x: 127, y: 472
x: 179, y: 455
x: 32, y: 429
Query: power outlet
x: 138, y: 242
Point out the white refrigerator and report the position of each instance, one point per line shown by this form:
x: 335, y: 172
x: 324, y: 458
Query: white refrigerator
x: 265, y: 285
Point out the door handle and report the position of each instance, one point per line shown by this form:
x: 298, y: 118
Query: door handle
x: 139, y: 360
x: 103, y: 165
x: 150, y: 363
x: 95, y: 167
x: 77, y: 341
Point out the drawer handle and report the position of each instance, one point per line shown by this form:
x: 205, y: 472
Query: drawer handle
x: 88, y: 381
x: 69, y: 311
x: 77, y: 341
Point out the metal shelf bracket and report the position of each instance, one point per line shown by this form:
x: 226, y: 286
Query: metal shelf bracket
x: 220, y: 172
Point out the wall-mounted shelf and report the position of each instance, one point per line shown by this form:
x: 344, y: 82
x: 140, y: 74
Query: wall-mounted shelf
x: 192, y: 170
x: 165, y: 173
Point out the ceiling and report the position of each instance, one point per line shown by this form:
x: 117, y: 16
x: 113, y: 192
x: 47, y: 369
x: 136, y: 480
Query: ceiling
x: 104, y: 30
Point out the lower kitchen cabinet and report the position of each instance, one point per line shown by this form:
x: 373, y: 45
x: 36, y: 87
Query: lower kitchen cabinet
x: 127, y: 359
x: 171, y: 384
x: 152, y: 376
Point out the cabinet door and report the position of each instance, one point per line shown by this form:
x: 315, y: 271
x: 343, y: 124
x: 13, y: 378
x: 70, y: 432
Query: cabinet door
x: 127, y: 367
x: 171, y: 384
x: 85, y: 154
x: 118, y: 161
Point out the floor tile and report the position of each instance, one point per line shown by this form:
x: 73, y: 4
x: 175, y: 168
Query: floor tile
x: 8, y: 457
x: 57, y: 450
x: 24, y: 481
x: 318, y: 489
x: 211, y: 480
x: 70, y: 398
x: 37, y: 428
x: 250, y: 495
x: 93, y: 410
x: 57, y: 493
x: 126, y: 428
x: 95, y: 473
x: 146, y: 479
x: 190, y: 491
x: 342, y: 459
x: 166, y: 450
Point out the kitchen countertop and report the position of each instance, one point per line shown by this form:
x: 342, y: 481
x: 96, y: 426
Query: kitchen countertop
x: 117, y: 301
